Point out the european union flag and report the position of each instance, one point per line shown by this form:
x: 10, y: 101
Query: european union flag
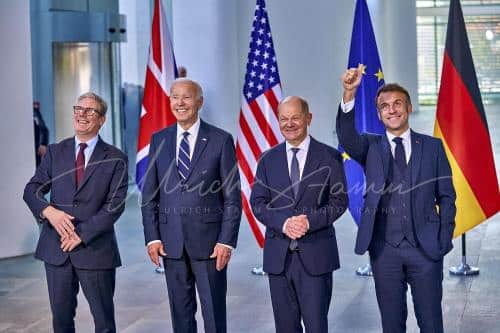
x: 363, y: 51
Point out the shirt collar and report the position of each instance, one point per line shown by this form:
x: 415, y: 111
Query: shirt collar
x: 193, y: 130
x: 90, y: 143
x: 405, y: 135
x: 304, y: 145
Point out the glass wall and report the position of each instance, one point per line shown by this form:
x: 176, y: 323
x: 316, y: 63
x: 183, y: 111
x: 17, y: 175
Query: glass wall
x: 482, y: 21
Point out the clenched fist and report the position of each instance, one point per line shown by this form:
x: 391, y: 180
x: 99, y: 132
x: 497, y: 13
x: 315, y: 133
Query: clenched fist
x: 351, y: 79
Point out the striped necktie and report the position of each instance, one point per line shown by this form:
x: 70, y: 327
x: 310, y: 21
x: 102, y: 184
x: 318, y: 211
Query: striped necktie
x: 183, y: 159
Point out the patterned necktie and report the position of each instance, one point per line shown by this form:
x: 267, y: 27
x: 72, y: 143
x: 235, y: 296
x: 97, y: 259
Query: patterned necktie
x: 80, y: 163
x: 295, y: 172
x: 399, y: 154
x: 183, y: 159
x: 295, y: 178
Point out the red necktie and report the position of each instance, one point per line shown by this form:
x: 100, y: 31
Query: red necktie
x: 80, y: 163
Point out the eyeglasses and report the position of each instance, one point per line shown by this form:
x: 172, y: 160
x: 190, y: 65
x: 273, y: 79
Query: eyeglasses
x: 397, y: 106
x: 87, y: 112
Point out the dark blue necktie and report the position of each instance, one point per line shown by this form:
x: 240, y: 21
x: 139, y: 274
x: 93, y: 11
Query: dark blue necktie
x: 183, y: 159
x: 399, y: 154
x: 295, y: 172
x: 295, y: 178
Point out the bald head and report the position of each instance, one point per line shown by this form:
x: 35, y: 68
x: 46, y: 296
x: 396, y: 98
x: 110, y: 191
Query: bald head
x: 294, y: 118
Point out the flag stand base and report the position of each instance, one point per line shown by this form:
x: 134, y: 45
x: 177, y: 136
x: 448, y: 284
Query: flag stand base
x: 258, y: 271
x: 464, y: 269
x: 365, y: 270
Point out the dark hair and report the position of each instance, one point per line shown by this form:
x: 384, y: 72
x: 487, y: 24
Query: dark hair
x: 392, y: 87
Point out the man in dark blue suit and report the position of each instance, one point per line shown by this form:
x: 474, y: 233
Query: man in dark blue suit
x: 409, y: 211
x: 299, y: 191
x: 191, y: 210
x: 87, y: 181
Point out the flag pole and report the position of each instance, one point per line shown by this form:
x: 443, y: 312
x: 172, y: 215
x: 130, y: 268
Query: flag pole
x: 464, y: 269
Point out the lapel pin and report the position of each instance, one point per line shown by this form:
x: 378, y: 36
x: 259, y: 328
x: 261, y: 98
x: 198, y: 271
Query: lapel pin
x: 204, y: 139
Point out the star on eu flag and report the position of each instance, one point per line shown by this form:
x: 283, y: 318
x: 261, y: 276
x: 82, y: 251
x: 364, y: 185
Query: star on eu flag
x: 379, y: 75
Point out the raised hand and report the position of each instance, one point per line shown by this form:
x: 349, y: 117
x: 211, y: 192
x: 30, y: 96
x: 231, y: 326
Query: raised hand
x: 351, y: 79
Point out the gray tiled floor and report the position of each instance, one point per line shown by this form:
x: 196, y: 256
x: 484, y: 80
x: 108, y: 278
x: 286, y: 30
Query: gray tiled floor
x: 470, y: 304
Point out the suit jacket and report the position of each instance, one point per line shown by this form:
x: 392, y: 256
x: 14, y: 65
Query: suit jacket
x: 201, y: 211
x: 96, y: 204
x: 322, y: 197
x: 432, y: 195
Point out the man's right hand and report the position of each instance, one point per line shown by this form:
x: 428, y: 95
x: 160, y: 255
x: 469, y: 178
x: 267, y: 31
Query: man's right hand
x: 296, y: 226
x: 351, y: 79
x: 60, y: 220
x: 155, y: 250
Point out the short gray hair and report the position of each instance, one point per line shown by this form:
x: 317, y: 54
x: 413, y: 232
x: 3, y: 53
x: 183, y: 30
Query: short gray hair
x: 103, y: 106
x: 196, y: 85
x: 302, y: 101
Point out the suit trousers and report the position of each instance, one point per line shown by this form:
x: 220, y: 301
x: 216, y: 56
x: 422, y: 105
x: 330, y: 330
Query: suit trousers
x: 394, y: 268
x: 183, y: 276
x: 98, y: 287
x: 297, y: 295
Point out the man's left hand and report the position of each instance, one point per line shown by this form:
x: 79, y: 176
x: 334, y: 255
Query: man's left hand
x: 223, y: 254
x: 69, y: 243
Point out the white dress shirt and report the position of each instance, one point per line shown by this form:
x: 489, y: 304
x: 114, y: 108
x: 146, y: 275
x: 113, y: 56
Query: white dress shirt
x: 301, y: 154
x: 193, y: 135
x: 89, y: 150
x: 406, y: 136
x: 301, y: 158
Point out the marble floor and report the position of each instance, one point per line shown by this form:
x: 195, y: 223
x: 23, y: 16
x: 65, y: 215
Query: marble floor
x: 471, y: 304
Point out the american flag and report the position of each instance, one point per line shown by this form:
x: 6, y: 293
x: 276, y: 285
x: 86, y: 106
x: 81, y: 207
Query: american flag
x: 160, y: 73
x: 258, y: 123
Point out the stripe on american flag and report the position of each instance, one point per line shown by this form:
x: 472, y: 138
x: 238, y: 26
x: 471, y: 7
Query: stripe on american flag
x: 258, y: 123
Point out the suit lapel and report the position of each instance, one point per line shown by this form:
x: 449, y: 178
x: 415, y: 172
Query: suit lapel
x: 385, y: 148
x: 69, y: 160
x: 312, y: 161
x: 169, y: 145
x: 283, y: 178
x: 416, y: 156
x: 199, y: 147
x: 96, y: 159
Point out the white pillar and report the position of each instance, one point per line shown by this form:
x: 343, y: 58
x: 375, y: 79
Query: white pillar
x: 18, y: 230
x: 395, y: 25
x: 134, y: 53
x: 205, y: 42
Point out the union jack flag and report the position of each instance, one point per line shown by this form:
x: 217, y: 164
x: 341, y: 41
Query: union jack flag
x: 161, y: 71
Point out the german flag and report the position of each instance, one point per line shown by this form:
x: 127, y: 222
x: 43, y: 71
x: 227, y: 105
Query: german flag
x: 461, y: 124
